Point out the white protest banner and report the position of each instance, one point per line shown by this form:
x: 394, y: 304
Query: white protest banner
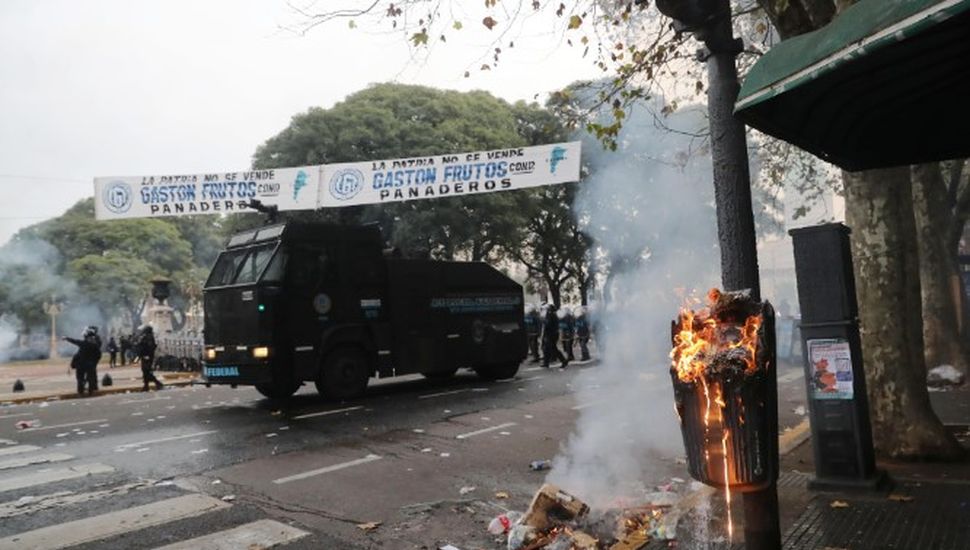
x: 213, y: 193
x: 437, y: 176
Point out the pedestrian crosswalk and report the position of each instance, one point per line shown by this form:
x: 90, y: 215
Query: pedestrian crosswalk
x: 63, y: 502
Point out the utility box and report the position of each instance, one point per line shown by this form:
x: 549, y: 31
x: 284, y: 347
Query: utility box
x: 832, y: 351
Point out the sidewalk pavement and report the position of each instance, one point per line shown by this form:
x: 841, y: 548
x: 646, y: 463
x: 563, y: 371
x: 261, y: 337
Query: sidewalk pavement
x: 55, y: 379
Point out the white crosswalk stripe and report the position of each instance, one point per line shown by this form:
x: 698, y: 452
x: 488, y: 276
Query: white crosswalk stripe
x: 30, y: 460
x: 15, y: 449
x: 43, y: 477
x: 262, y: 534
x: 72, y: 533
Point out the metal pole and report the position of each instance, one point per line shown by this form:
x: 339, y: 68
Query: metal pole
x: 735, y: 225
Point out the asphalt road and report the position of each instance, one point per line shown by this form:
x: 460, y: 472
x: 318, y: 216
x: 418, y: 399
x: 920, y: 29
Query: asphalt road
x: 425, y: 459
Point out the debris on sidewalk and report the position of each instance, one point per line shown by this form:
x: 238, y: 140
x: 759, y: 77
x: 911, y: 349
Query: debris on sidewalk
x: 896, y: 497
x: 539, y: 465
x: 944, y: 375
x: 799, y: 410
x: 448, y: 547
x: 839, y: 504
x: 18, y: 386
x: 369, y: 526
x: 466, y: 489
x: 502, y: 494
x: 557, y: 520
x: 229, y: 498
x: 24, y: 424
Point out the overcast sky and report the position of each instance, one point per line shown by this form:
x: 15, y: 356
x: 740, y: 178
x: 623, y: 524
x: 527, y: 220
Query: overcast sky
x: 116, y: 87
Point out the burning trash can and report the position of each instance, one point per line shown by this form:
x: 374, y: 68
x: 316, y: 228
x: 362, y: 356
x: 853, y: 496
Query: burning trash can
x: 725, y: 392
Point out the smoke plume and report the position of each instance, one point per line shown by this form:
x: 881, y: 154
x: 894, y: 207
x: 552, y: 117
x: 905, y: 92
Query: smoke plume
x: 649, y: 209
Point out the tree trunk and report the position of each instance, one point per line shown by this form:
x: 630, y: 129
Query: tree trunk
x: 939, y: 278
x: 879, y: 209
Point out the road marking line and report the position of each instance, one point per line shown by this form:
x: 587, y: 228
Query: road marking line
x: 582, y: 406
x: 18, y: 449
x: 485, y: 430
x: 4, y: 416
x: 327, y: 469
x: 531, y: 369
x: 439, y: 394
x: 531, y: 378
x: 264, y: 533
x: 68, y: 425
x: 327, y: 413
x: 7, y: 442
x: 73, y: 533
x: 21, y: 461
x: 159, y: 398
x: 22, y: 481
x: 163, y: 440
x: 791, y: 376
x: 787, y: 441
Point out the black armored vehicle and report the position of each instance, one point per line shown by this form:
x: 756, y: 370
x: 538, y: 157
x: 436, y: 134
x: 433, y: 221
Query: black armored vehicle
x: 297, y: 302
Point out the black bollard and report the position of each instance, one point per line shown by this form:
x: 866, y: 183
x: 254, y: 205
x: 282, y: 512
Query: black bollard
x: 106, y: 381
x: 18, y: 386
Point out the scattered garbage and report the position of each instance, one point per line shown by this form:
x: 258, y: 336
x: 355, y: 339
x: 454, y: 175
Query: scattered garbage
x: 25, y: 424
x: 799, y: 410
x: 466, y: 489
x: 43, y: 404
x: 444, y: 455
x: 944, y: 375
x: 448, y: 547
x: 369, y: 526
x: 503, y: 523
x: 18, y: 386
x: 269, y: 435
x: 217, y: 482
x: 229, y: 498
x: 896, y: 497
x: 839, y: 504
x: 539, y: 465
x: 276, y: 413
x: 502, y: 494
x: 106, y: 380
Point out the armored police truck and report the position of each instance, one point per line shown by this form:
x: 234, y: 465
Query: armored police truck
x: 296, y: 302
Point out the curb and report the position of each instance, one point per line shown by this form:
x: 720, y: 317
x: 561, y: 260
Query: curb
x: 179, y: 381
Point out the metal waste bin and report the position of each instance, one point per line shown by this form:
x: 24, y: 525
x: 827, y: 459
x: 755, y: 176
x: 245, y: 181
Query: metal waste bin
x: 729, y: 417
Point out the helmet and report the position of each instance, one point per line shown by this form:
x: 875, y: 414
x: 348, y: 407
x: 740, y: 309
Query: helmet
x: 89, y: 331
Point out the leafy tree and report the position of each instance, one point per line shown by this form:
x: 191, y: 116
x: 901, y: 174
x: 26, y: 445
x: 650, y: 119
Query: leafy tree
x: 112, y: 281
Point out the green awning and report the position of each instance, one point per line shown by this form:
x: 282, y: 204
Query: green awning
x: 887, y: 83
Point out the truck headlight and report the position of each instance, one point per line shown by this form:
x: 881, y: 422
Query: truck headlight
x: 261, y: 352
x: 210, y: 354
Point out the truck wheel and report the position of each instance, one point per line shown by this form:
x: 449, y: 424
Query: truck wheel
x: 497, y: 372
x: 277, y: 390
x: 440, y: 375
x: 344, y: 374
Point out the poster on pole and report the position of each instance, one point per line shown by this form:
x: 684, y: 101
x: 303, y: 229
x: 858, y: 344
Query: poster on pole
x: 213, y: 193
x: 830, y: 362
x: 440, y: 176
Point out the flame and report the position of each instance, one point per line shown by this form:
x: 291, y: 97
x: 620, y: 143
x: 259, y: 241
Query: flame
x: 701, y: 336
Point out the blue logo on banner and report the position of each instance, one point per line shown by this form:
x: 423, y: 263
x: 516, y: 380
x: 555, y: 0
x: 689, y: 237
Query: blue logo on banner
x: 558, y: 155
x: 299, y: 183
x: 117, y: 197
x: 346, y: 183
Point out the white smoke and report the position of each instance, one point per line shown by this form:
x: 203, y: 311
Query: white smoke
x: 649, y: 207
x: 8, y: 335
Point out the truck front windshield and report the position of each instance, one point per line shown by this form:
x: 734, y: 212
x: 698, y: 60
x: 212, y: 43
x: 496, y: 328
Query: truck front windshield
x: 237, y: 267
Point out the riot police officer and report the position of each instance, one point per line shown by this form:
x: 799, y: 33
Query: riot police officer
x: 85, y: 360
x: 582, y: 333
x: 533, y: 327
x: 550, y: 338
x: 145, y: 347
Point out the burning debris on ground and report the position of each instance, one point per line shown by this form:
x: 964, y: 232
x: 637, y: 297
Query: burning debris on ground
x: 557, y: 520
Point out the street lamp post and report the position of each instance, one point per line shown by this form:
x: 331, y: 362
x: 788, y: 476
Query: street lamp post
x: 53, y: 309
x: 710, y: 22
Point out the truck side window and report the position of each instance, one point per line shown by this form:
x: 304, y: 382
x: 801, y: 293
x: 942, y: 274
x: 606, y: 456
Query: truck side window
x: 274, y: 273
x: 225, y: 268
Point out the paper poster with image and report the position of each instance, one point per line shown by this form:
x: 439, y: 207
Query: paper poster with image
x: 830, y: 365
